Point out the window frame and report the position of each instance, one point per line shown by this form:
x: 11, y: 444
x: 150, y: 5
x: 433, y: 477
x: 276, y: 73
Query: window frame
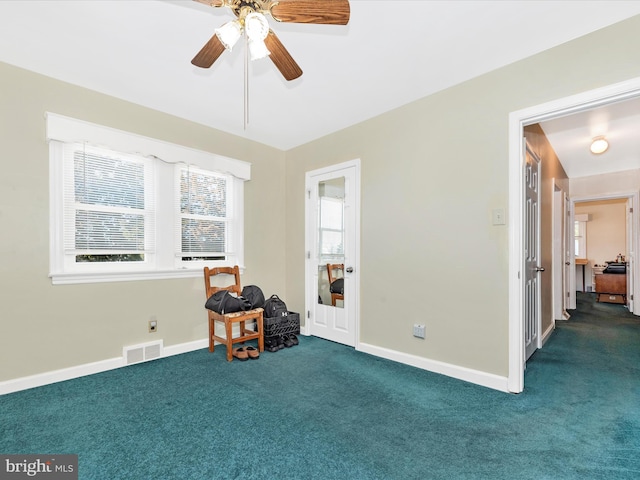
x: 166, y: 157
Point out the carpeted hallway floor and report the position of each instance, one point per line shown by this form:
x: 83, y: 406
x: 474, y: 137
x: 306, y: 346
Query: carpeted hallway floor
x: 324, y: 411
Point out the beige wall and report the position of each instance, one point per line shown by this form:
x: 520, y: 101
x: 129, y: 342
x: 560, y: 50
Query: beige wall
x: 611, y: 183
x: 432, y: 171
x: 606, y: 232
x: 45, y: 327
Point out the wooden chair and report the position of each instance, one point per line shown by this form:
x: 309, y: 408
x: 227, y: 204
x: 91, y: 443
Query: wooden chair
x: 336, y: 293
x: 229, y: 319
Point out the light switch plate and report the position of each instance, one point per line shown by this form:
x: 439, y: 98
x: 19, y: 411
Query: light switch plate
x: 498, y: 216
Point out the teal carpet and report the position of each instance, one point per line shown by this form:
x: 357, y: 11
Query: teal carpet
x: 324, y: 411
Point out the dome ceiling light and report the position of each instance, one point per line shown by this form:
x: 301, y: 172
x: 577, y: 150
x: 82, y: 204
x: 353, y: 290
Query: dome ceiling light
x: 599, y: 145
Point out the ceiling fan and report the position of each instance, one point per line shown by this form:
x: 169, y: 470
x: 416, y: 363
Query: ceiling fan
x: 262, y: 41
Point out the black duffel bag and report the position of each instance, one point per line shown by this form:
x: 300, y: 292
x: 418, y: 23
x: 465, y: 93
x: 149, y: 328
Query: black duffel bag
x: 254, y: 295
x: 223, y: 302
x: 337, y: 286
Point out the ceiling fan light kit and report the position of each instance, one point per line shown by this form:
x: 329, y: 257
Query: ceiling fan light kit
x: 258, y: 49
x: 256, y: 26
x: 262, y: 41
x: 229, y: 34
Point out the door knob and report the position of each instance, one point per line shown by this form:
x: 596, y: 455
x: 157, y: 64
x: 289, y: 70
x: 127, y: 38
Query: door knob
x: 539, y: 269
x: 567, y: 263
x: 349, y: 269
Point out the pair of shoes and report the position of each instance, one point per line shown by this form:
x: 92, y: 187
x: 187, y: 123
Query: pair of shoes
x: 253, y: 352
x: 271, y: 344
x: 240, y: 353
x: 286, y: 340
x: 293, y: 338
x: 245, y: 353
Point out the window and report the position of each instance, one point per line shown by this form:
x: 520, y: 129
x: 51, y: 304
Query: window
x: 108, y: 206
x: 205, y: 222
x: 123, y: 213
x: 331, y: 229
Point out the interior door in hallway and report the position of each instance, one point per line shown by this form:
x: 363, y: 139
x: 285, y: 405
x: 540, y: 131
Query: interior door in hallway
x: 332, y: 238
x: 532, y: 267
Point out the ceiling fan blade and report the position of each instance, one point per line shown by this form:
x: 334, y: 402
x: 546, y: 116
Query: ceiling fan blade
x: 281, y: 57
x: 209, y: 53
x: 211, y: 3
x: 331, y: 12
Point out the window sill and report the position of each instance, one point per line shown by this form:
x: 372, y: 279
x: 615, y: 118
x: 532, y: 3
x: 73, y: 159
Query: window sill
x: 75, y: 278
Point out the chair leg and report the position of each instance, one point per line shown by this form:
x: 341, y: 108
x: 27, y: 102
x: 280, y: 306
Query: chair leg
x: 211, y: 331
x: 229, y: 340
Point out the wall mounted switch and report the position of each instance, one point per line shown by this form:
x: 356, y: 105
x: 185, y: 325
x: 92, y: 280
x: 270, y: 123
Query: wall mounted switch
x: 498, y: 216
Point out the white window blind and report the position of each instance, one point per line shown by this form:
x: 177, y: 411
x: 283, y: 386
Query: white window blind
x: 331, y: 231
x: 109, y: 205
x: 205, y: 221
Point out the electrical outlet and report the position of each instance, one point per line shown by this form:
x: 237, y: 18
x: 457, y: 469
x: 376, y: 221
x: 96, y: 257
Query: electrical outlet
x: 153, y: 324
x: 419, y: 330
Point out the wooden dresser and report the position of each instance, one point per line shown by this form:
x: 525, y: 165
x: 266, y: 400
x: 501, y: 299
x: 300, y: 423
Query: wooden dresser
x: 611, y: 287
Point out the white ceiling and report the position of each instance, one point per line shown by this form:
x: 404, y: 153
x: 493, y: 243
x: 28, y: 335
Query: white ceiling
x: 391, y: 53
x: 571, y: 137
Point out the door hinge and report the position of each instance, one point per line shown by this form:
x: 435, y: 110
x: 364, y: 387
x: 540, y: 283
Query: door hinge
x: 568, y: 294
x: 308, y: 255
x: 630, y: 209
x: 631, y: 296
x: 308, y: 313
x: 309, y: 194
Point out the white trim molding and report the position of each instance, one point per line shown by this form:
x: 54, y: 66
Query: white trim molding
x: 67, y: 129
x: 47, y: 378
x: 489, y: 380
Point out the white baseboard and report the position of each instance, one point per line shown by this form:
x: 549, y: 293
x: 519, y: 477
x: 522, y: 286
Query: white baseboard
x: 46, y: 378
x: 477, y: 377
x: 547, y: 333
x: 495, y: 382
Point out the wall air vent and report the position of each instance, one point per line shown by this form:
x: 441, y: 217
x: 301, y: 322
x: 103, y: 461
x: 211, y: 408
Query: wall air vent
x: 142, y: 352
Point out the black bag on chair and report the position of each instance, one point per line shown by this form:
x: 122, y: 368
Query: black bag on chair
x: 274, y: 307
x: 337, y: 286
x: 223, y: 302
x: 254, y: 295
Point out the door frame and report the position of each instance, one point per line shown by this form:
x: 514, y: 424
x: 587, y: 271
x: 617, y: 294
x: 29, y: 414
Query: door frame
x: 631, y: 236
x: 309, y: 237
x: 517, y: 121
x: 558, y: 255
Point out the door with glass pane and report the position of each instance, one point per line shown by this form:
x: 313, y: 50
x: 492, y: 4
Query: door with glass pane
x: 331, y: 250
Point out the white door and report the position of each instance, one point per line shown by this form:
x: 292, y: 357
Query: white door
x: 570, y: 258
x: 332, y: 237
x: 532, y: 267
x: 558, y: 253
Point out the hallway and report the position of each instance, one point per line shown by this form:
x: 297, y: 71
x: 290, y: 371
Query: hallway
x: 590, y: 371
